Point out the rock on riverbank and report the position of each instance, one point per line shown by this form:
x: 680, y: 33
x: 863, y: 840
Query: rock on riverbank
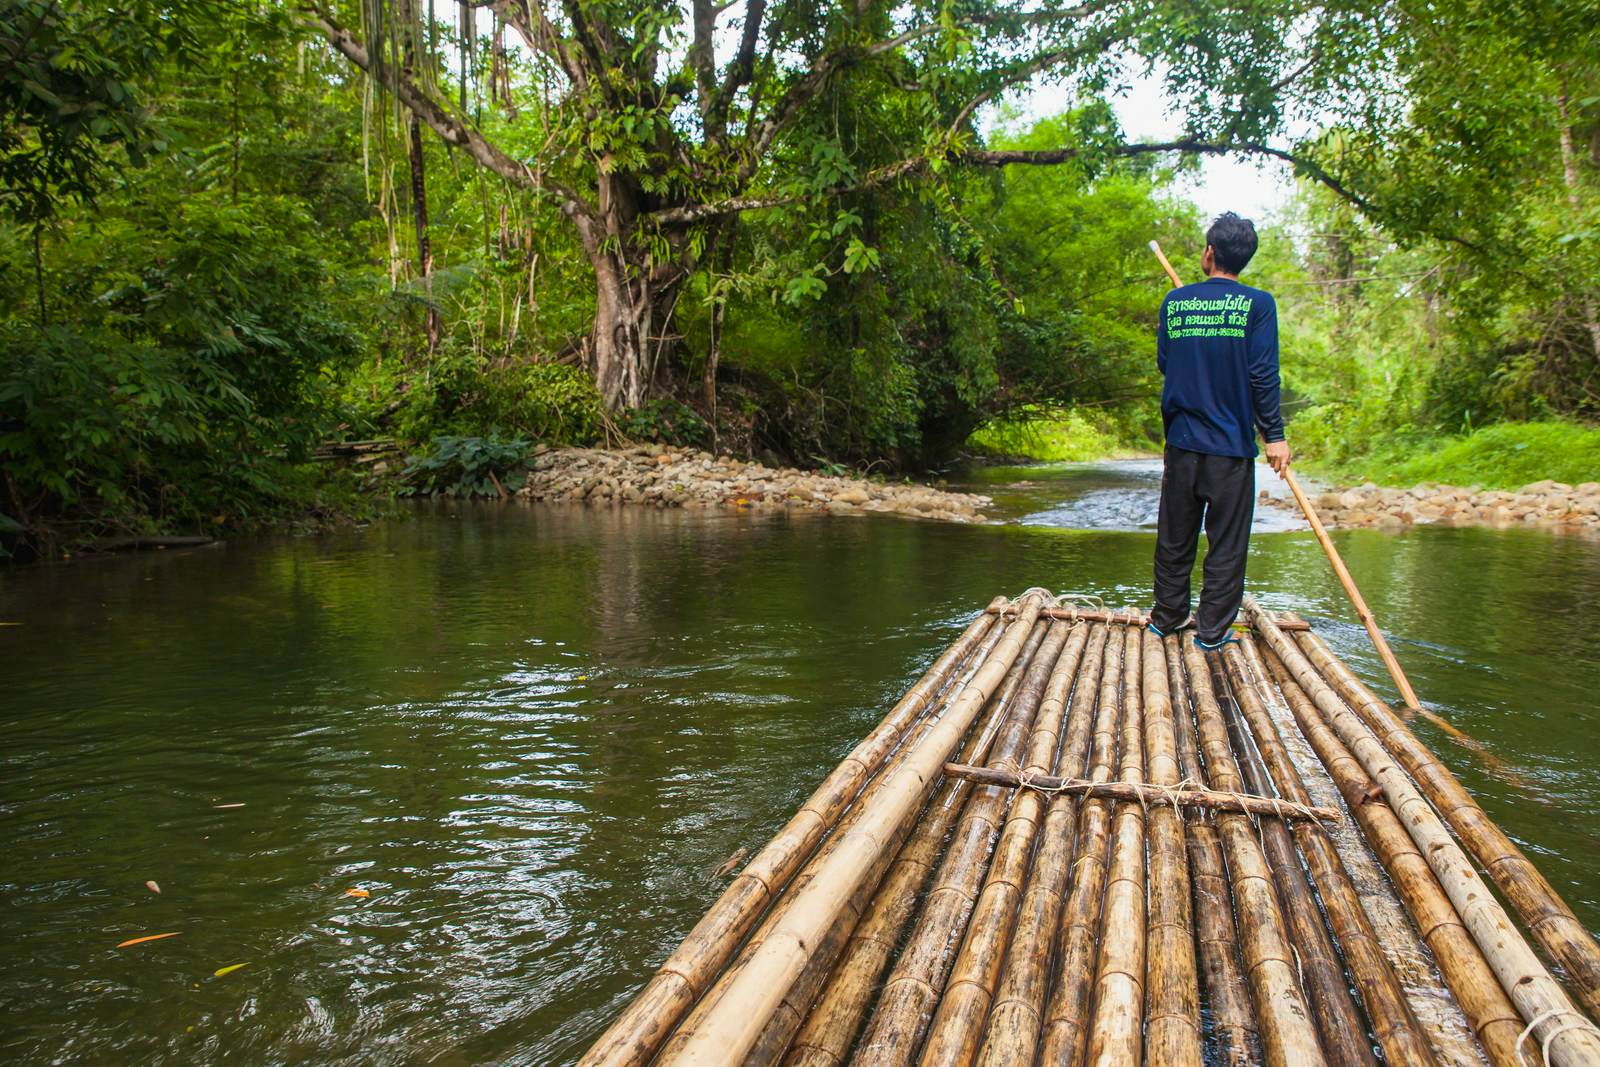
x: 662, y: 476
x: 1544, y: 504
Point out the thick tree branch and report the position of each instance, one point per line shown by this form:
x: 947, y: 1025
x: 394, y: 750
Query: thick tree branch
x: 450, y: 129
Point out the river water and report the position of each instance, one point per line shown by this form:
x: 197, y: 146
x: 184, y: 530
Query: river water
x: 529, y: 734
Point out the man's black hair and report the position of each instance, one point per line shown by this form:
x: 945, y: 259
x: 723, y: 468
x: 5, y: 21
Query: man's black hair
x: 1233, y: 240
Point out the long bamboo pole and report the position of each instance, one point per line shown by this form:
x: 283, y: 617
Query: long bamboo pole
x: 957, y: 1028
x: 1142, y: 793
x: 1393, y: 1025
x: 1067, y: 1010
x: 1233, y: 1028
x: 736, y: 1022
x: 1172, y: 990
x: 1539, y: 998
x: 1357, y: 601
x: 1015, y: 1020
x: 1564, y: 938
x: 647, y: 1021
x: 1493, y: 1019
x: 830, y: 1029
x: 1288, y: 1036
x: 911, y: 994
x: 1116, y: 1029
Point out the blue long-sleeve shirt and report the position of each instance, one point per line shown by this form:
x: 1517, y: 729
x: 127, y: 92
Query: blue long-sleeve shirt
x: 1217, y: 345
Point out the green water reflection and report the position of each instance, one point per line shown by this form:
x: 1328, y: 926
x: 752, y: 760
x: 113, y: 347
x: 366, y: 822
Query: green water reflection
x: 531, y: 733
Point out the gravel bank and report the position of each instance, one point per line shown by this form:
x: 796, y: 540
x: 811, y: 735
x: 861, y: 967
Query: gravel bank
x: 663, y: 476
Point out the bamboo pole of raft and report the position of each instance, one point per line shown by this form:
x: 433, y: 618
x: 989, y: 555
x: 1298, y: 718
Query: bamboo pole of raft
x: 1172, y: 991
x: 1490, y: 1014
x: 1564, y: 938
x: 1014, y: 1022
x: 1009, y: 706
x: 1431, y: 1004
x: 775, y: 1035
x: 830, y: 1029
x: 1067, y: 1012
x: 1140, y: 793
x: 957, y: 1027
x: 911, y: 993
x: 1216, y: 936
x: 736, y: 1021
x: 1335, y: 1015
x: 1116, y: 1029
x: 641, y: 1028
x: 925, y: 833
x: 1393, y: 1024
x: 1288, y: 1036
x: 1542, y: 1002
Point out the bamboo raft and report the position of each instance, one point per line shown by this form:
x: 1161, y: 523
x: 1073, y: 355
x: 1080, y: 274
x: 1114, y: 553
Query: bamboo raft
x: 1073, y: 841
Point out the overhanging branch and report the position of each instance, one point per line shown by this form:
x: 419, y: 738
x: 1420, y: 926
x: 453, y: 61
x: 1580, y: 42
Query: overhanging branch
x: 978, y: 157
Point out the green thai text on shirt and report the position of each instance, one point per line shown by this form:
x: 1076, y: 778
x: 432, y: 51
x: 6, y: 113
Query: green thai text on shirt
x: 1198, y: 317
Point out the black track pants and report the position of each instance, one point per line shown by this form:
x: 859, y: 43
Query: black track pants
x: 1221, y: 490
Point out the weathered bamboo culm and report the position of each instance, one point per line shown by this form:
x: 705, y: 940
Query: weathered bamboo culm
x: 1075, y: 842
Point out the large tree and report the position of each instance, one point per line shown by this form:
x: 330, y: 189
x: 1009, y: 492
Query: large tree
x: 656, y: 125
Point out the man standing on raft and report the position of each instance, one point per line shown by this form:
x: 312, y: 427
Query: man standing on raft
x: 1217, y: 346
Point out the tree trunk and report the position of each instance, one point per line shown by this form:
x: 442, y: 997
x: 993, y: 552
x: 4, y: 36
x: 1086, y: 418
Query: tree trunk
x: 1569, y: 174
x: 631, y: 343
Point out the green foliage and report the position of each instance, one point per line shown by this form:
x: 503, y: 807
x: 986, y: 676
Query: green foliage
x: 463, y: 392
x: 190, y: 381
x: 70, y: 109
x: 1072, y: 437
x: 466, y: 466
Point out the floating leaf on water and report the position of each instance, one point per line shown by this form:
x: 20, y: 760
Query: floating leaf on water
x: 152, y: 886
x: 147, y: 937
x: 358, y: 892
x: 219, y: 807
x: 229, y: 969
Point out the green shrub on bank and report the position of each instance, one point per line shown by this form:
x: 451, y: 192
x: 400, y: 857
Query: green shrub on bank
x: 1504, y: 456
x: 467, y: 466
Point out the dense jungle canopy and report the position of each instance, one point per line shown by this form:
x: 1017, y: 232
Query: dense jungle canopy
x: 811, y: 230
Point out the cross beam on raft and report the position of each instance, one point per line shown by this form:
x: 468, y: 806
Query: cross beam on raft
x: 1248, y: 803
x: 1075, y: 841
x: 1126, y: 616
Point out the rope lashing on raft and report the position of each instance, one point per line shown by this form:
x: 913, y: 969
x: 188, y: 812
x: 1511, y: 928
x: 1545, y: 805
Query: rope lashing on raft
x: 1583, y: 1023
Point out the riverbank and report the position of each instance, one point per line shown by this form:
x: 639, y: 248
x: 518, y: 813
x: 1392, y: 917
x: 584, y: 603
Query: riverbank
x: 1548, y: 504
x: 664, y: 476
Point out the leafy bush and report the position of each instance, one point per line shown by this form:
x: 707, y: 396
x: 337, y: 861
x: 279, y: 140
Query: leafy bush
x: 466, y: 466
x: 665, y: 419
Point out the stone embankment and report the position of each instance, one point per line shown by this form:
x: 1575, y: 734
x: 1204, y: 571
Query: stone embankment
x: 663, y: 476
x: 1544, y: 504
